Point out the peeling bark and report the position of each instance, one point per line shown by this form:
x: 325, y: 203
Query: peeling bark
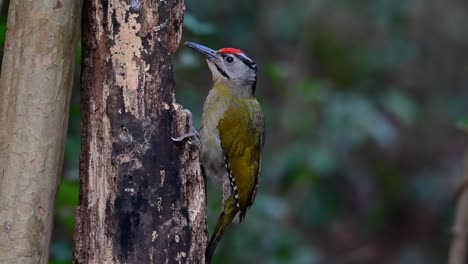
x: 35, y: 89
x: 142, y: 197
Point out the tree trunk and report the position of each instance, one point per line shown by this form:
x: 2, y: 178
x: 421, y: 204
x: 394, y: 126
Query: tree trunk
x: 35, y: 89
x: 142, y: 197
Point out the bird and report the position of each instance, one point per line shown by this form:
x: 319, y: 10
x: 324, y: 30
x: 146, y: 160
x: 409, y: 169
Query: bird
x: 232, y: 134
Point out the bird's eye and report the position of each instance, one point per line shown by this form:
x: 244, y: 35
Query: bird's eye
x: 229, y: 59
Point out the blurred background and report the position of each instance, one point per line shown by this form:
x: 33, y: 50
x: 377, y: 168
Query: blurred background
x: 366, y: 104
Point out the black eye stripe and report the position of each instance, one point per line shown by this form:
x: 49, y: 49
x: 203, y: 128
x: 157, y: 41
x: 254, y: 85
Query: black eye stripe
x: 247, y: 62
x: 244, y: 59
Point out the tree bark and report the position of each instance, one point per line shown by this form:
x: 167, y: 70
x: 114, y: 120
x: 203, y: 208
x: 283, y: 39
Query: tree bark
x: 35, y: 89
x: 142, y: 197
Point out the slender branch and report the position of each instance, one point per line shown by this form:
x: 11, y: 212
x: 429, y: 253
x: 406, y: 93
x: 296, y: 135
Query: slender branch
x: 458, y: 247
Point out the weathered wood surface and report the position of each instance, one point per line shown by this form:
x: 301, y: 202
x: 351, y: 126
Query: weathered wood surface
x: 142, y: 197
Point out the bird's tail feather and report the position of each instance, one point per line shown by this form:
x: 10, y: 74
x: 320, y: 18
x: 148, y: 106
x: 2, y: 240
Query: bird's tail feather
x: 226, y: 217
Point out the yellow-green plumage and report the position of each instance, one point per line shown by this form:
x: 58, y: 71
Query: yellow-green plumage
x: 232, y: 137
x: 232, y: 133
x: 241, y: 133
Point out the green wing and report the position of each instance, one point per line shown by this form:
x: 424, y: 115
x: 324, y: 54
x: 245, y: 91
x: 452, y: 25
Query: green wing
x: 242, y: 133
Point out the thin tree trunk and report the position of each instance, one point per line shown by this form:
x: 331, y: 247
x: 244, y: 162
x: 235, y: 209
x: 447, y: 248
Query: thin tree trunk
x: 458, y: 248
x: 35, y: 89
x: 2, y: 4
x: 142, y: 197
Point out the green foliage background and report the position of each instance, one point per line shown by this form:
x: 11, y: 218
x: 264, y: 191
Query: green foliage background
x: 365, y: 102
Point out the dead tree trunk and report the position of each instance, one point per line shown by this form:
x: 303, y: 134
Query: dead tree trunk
x: 142, y: 197
x: 35, y: 89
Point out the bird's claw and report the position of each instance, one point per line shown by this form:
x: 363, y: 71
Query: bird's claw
x: 193, y: 134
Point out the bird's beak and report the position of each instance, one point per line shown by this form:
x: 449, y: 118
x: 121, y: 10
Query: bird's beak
x: 210, y: 54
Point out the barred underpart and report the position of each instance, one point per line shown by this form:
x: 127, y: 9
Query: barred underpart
x: 232, y: 180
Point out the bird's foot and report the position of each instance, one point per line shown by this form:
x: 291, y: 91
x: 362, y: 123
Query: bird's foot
x: 192, y: 135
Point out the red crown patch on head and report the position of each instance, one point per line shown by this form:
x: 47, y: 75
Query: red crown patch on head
x: 231, y: 51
